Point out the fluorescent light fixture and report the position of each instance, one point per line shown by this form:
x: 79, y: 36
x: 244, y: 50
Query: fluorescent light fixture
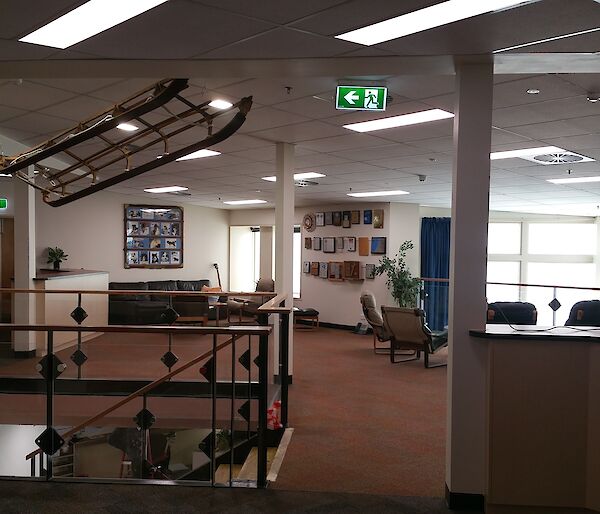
x: 425, y: 19
x: 166, y: 189
x: 198, y: 155
x: 574, y: 180
x: 525, y: 152
x: 400, y: 121
x: 127, y: 127
x: 5, y: 174
x: 298, y: 176
x: 546, y: 40
x: 88, y: 20
x: 220, y: 104
x: 244, y: 202
x: 155, y: 210
x: 378, y: 193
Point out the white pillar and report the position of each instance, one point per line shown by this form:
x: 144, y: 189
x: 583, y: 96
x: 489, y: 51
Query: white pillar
x: 25, y: 265
x: 266, y: 251
x: 284, y: 229
x: 467, y: 359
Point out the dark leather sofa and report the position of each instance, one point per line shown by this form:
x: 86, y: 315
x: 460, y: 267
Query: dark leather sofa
x: 148, y: 309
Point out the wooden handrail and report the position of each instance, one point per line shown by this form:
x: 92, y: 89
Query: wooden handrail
x: 273, y: 305
x: 137, y: 292
x: 251, y: 330
x: 136, y: 394
x: 518, y: 284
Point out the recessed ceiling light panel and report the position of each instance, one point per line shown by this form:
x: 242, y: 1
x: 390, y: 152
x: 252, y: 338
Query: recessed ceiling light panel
x: 199, y: 155
x: 297, y: 176
x: 220, y: 104
x: 524, y: 152
x: 127, y: 127
x: 88, y: 20
x: 165, y: 189
x: 369, y: 194
x: 574, y: 180
x: 244, y: 202
x: 425, y: 19
x: 400, y: 121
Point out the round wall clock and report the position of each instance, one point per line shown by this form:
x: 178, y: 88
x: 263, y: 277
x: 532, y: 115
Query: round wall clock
x: 308, y: 222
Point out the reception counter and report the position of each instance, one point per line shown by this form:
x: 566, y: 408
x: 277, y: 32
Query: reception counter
x: 543, y: 415
x: 55, y: 308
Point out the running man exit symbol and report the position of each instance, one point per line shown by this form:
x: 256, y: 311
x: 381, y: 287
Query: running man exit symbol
x: 359, y: 98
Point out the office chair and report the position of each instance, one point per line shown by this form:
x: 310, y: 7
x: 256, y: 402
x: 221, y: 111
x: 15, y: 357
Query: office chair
x: 517, y: 313
x: 586, y: 313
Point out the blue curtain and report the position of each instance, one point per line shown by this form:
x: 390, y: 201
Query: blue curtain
x: 435, y: 263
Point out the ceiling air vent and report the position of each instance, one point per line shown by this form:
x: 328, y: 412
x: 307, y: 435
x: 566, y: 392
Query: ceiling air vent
x: 558, y: 158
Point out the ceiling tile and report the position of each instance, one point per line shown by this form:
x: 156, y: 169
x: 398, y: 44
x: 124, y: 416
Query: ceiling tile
x: 173, y: 30
x: 281, y: 43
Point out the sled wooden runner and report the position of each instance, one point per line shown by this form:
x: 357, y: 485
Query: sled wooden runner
x: 98, y: 155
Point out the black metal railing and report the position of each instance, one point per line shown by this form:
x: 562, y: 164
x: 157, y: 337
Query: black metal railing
x: 249, y: 349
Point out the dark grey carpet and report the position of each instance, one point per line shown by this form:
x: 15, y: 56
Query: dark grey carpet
x: 66, y: 498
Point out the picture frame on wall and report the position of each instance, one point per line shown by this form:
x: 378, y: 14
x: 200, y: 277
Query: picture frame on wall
x: 377, y: 218
x: 320, y: 219
x: 337, y: 218
x: 346, y: 219
x: 308, y: 243
x: 370, y: 271
x: 329, y: 218
x: 352, y: 270
x: 306, y: 267
x: 336, y: 271
x: 350, y: 244
x: 339, y: 243
x: 316, y: 243
x: 323, y: 270
x: 378, y: 246
x: 329, y: 245
x: 367, y: 216
x: 153, y: 236
x: 355, y: 217
x: 314, y: 269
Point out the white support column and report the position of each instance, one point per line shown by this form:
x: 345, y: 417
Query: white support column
x: 266, y: 251
x: 284, y: 230
x: 25, y: 265
x: 467, y: 360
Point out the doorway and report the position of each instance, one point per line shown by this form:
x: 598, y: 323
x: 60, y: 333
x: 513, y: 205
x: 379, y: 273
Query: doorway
x: 7, y: 272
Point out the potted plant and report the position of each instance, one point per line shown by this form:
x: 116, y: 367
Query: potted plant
x: 55, y: 256
x: 403, y: 286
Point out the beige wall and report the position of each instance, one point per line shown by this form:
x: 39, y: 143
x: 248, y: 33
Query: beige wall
x: 338, y: 302
x: 90, y: 230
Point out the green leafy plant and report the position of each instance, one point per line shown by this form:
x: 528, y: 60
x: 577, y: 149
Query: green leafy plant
x: 403, y: 286
x: 56, y: 255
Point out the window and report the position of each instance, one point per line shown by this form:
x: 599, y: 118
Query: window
x: 244, y: 260
x: 504, y: 238
x: 560, y: 254
x: 562, y: 238
x: 503, y: 272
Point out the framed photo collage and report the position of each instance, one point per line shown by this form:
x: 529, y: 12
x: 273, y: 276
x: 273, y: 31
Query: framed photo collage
x: 153, y: 236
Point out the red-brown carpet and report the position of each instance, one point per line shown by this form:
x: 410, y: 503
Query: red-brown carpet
x: 362, y: 424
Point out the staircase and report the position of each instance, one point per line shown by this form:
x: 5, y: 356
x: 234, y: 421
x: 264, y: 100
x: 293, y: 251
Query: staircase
x: 248, y: 471
x: 62, y: 464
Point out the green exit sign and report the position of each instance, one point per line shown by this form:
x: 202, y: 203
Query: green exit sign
x: 3, y: 203
x: 360, y: 98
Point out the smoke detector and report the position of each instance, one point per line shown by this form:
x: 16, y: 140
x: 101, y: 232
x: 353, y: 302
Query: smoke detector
x: 558, y: 158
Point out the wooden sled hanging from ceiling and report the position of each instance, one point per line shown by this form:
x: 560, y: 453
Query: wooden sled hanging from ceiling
x: 97, y: 155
